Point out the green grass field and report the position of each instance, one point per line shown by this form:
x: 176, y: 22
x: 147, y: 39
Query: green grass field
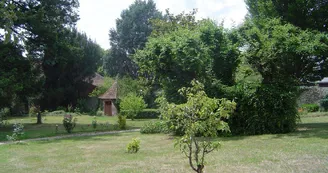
x: 305, y: 150
x: 48, y: 128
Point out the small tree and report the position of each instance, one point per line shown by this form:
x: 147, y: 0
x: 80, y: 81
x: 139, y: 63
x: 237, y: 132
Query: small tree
x: 132, y: 104
x: 202, y: 118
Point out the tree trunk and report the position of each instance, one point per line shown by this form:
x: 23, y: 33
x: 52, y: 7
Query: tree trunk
x: 39, y: 120
x: 200, y: 168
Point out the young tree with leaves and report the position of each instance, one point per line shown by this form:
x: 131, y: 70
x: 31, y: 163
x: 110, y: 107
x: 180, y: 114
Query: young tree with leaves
x: 201, y: 118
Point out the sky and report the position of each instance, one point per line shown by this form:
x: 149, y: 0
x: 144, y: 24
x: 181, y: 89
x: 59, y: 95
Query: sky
x: 98, y: 16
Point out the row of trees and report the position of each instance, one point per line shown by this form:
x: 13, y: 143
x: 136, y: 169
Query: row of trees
x: 259, y: 64
x: 43, y: 56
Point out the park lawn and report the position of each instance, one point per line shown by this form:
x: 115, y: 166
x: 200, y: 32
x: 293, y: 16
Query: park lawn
x: 305, y: 150
x: 48, y: 128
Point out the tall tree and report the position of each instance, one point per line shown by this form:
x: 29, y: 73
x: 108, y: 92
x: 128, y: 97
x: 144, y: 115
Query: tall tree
x: 131, y: 33
x: 306, y: 14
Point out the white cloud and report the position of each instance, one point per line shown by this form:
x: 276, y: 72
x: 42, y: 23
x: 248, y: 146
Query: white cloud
x: 98, y: 16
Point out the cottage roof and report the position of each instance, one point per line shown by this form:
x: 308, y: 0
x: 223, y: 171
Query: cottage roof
x: 111, y: 93
x: 96, y: 80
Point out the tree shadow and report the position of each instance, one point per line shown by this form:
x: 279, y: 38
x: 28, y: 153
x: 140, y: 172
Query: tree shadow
x: 309, y: 130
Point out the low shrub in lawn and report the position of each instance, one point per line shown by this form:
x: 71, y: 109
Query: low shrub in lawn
x: 18, y: 132
x: 121, y: 122
x: 94, y: 123
x: 155, y: 127
x: 69, y: 123
x: 133, y: 146
x: 310, y: 107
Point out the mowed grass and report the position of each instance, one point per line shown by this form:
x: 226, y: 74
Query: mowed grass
x: 48, y: 128
x: 305, y: 150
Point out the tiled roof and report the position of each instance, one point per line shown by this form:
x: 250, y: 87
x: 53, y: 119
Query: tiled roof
x: 96, y: 80
x: 111, y: 93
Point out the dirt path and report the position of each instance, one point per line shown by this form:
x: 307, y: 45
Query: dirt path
x: 74, y: 135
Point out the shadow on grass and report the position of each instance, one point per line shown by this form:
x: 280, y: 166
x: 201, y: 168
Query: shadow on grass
x: 309, y: 130
x: 80, y: 138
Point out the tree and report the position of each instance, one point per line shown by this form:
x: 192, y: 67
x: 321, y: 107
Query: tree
x: 132, y: 31
x: 176, y: 58
x: 202, y: 118
x: 132, y: 105
x: 74, y: 58
x: 283, y: 53
x: 16, y: 75
x: 302, y: 13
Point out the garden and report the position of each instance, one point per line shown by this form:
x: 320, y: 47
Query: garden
x: 173, y: 93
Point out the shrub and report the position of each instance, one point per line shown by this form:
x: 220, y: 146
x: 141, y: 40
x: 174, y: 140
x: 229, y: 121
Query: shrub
x: 33, y: 111
x: 100, y: 113
x: 133, y: 146
x: 61, y: 108
x: 144, y: 114
x: 18, y: 132
x: 4, y: 114
x: 69, y: 123
x: 310, y: 107
x: 132, y: 104
x: 324, y: 103
x: 94, y: 123
x: 264, y: 109
x: 69, y: 108
x: 121, y: 122
x: 155, y: 127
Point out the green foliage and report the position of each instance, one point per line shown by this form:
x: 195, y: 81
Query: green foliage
x: 131, y: 33
x: 177, y: 57
x: 144, y: 114
x: 18, y: 132
x: 324, y: 103
x: 108, y: 82
x: 200, y: 118
x: 310, y: 107
x: 302, y: 13
x: 33, y: 111
x: 283, y: 53
x: 133, y: 105
x: 133, y: 146
x: 264, y: 109
x: 121, y: 122
x: 4, y: 114
x: 154, y: 127
x: 69, y: 123
x: 94, y: 123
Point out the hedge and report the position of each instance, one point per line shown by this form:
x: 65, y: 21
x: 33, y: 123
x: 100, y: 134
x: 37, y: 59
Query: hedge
x: 145, y: 114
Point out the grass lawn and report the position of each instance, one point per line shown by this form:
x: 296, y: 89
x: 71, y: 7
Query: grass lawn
x: 305, y: 150
x: 48, y: 128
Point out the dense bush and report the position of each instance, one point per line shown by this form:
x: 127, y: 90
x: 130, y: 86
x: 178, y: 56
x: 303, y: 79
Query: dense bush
x: 4, y: 114
x: 18, y: 132
x: 155, y: 127
x: 310, y: 107
x: 121, y: 122
x: 267, y: 109
x: 33, y: 111
x: 324, y: 103
x: 133, y: 105
x: 145, y: 114
x: 133, y: 146
x: 69, y: 123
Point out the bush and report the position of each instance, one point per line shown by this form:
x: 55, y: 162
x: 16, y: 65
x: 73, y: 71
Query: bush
x: 324, y: 103
x: 69, y: 123
x: 121, y: 122
x: 265, y: 109
x: 4, y: 114
x: 33, y: 111
x: 155, y: 127
x: 310, y: 107
x: 133, y: 105
x: 94, y: 123
x: 144, y: 114
x: 133, y: 146
x: 18, y: 132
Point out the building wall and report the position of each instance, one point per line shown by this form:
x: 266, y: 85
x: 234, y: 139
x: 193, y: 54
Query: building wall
x: 312, y: 94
